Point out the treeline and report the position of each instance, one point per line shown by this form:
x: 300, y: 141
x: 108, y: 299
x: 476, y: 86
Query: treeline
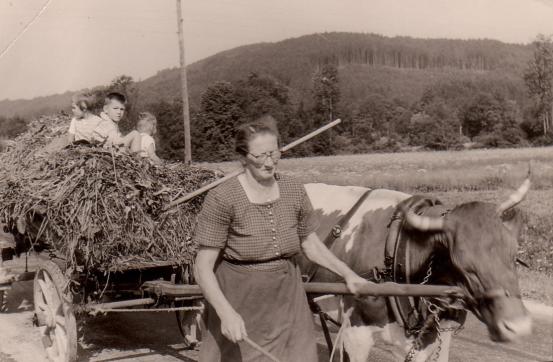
x: 384, y: 107
x: 293, y: 61
x: 448, y: 116
x: 406, y: 52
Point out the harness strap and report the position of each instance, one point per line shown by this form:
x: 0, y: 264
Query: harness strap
x: 337, y: 231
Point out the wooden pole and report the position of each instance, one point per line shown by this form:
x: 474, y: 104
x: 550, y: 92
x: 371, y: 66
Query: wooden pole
x: 184, y: 87
x: 380, y: 289
x: 235, y: 173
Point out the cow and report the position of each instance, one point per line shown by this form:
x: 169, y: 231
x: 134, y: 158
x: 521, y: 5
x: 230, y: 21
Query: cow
x: 472, y: 246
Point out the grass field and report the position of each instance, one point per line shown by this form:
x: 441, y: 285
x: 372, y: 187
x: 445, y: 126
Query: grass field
x: 454, y: 177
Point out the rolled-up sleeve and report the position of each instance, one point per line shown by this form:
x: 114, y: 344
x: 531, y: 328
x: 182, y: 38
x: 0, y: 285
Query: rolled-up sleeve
x: 307, y: 221
x: 213, y: 222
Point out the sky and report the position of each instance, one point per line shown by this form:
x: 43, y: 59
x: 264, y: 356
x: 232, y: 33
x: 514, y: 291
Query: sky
x: 76, y: 44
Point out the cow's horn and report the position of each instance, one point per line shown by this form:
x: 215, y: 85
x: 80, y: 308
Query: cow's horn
x: 424, y: 223
x: 517, y: 196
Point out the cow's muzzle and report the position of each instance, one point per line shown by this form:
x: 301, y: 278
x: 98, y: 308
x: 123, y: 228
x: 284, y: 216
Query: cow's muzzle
x: 512, y: 329
x: 505, y: 316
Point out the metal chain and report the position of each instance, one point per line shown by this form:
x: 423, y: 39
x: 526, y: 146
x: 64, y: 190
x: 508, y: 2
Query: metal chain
x: 437, y: 352
x: 416, y: 342
x: 426, y: 278
x: 434, y: 309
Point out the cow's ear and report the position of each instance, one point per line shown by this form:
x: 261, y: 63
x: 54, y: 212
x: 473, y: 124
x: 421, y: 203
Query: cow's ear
x: 512, y: 219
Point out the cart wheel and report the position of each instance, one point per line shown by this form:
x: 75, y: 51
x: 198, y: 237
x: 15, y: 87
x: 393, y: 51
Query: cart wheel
x: 190, y: 322
x: 3, y: 300
x: 54, y: 313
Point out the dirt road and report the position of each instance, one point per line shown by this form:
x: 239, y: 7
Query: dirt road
x: 155, y: 337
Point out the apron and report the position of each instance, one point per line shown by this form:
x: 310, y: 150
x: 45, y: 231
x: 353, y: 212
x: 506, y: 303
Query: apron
x: 274, y: 308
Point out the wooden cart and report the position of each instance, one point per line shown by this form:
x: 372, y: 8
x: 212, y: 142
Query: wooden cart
x: 59, y: 300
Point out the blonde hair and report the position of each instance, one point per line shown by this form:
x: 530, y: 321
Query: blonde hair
x: 146, y: 120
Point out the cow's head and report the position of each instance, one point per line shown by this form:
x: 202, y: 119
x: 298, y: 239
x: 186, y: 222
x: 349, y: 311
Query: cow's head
x: 482, y: 241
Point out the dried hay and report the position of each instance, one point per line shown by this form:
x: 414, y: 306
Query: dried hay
x: 96, y: 208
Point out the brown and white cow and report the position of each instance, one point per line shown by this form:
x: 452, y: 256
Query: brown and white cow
x: 475, y: 249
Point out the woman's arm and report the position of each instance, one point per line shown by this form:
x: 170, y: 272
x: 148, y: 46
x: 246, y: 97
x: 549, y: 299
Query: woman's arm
x: 318, y: 253
x: 232, y: 324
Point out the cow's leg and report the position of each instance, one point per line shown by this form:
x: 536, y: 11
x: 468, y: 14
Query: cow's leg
x: 357, y: 340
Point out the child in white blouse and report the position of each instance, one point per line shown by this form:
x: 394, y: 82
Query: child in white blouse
x: 144, y: 145
x: 83, y: 123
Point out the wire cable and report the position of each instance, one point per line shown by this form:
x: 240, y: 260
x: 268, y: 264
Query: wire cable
x: 16, y: 38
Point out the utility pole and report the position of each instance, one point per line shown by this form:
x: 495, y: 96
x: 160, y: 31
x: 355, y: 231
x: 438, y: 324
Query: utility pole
x: 184, y: 86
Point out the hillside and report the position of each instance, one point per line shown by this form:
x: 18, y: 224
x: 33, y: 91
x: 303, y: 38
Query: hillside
x: 399, y: 67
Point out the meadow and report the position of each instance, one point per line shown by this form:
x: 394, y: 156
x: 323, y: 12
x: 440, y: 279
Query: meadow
x: 454, y: 177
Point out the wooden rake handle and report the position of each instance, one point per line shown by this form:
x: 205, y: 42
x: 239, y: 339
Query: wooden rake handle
x: 235, y: 173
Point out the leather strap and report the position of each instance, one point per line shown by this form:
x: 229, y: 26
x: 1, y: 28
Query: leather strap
x: 336, y: 231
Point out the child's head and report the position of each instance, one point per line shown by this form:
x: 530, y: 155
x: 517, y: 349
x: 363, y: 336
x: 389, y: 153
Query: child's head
x: 147, y: 123
x: 81, y: 104
x: 114, y: 106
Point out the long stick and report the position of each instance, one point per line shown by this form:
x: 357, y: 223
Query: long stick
x: 261, y: 349
x: 381, y: 289
x: 235, y: 173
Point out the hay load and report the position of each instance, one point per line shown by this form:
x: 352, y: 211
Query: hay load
x: 95, y: 207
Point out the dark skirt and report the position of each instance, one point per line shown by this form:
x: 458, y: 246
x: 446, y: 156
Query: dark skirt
x: 275, y: 310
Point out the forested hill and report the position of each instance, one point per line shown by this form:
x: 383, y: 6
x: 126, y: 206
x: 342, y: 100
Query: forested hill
x: 400, y: 67
x: 294, y: 61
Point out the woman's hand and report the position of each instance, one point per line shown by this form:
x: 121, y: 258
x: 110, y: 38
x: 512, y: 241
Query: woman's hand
x: 354, y: 282
x: 232, y: 326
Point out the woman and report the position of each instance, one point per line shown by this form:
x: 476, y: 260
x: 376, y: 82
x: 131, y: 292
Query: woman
x: 249, y: 229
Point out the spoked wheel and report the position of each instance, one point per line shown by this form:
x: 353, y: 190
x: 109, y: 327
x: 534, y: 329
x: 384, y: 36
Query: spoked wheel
x: 3, y: 299
x: 190, y: 322
x: 54, y: 313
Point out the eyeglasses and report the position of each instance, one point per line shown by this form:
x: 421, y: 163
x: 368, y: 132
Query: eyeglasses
x: 260, y: 159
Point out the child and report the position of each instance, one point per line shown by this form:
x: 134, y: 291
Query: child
x: 144, y: 144
x: 83, y: 123
x: 107, y: 130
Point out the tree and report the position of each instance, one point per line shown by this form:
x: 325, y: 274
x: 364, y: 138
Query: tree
x: 326, y: 91
x: 434, y: 126
x: 326, y: 94
x: 218, y: 117
x: 493, y: 120
x: 539, y: 80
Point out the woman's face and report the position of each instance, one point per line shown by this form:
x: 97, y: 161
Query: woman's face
x: 77, y: 111
x: 261, y: 166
